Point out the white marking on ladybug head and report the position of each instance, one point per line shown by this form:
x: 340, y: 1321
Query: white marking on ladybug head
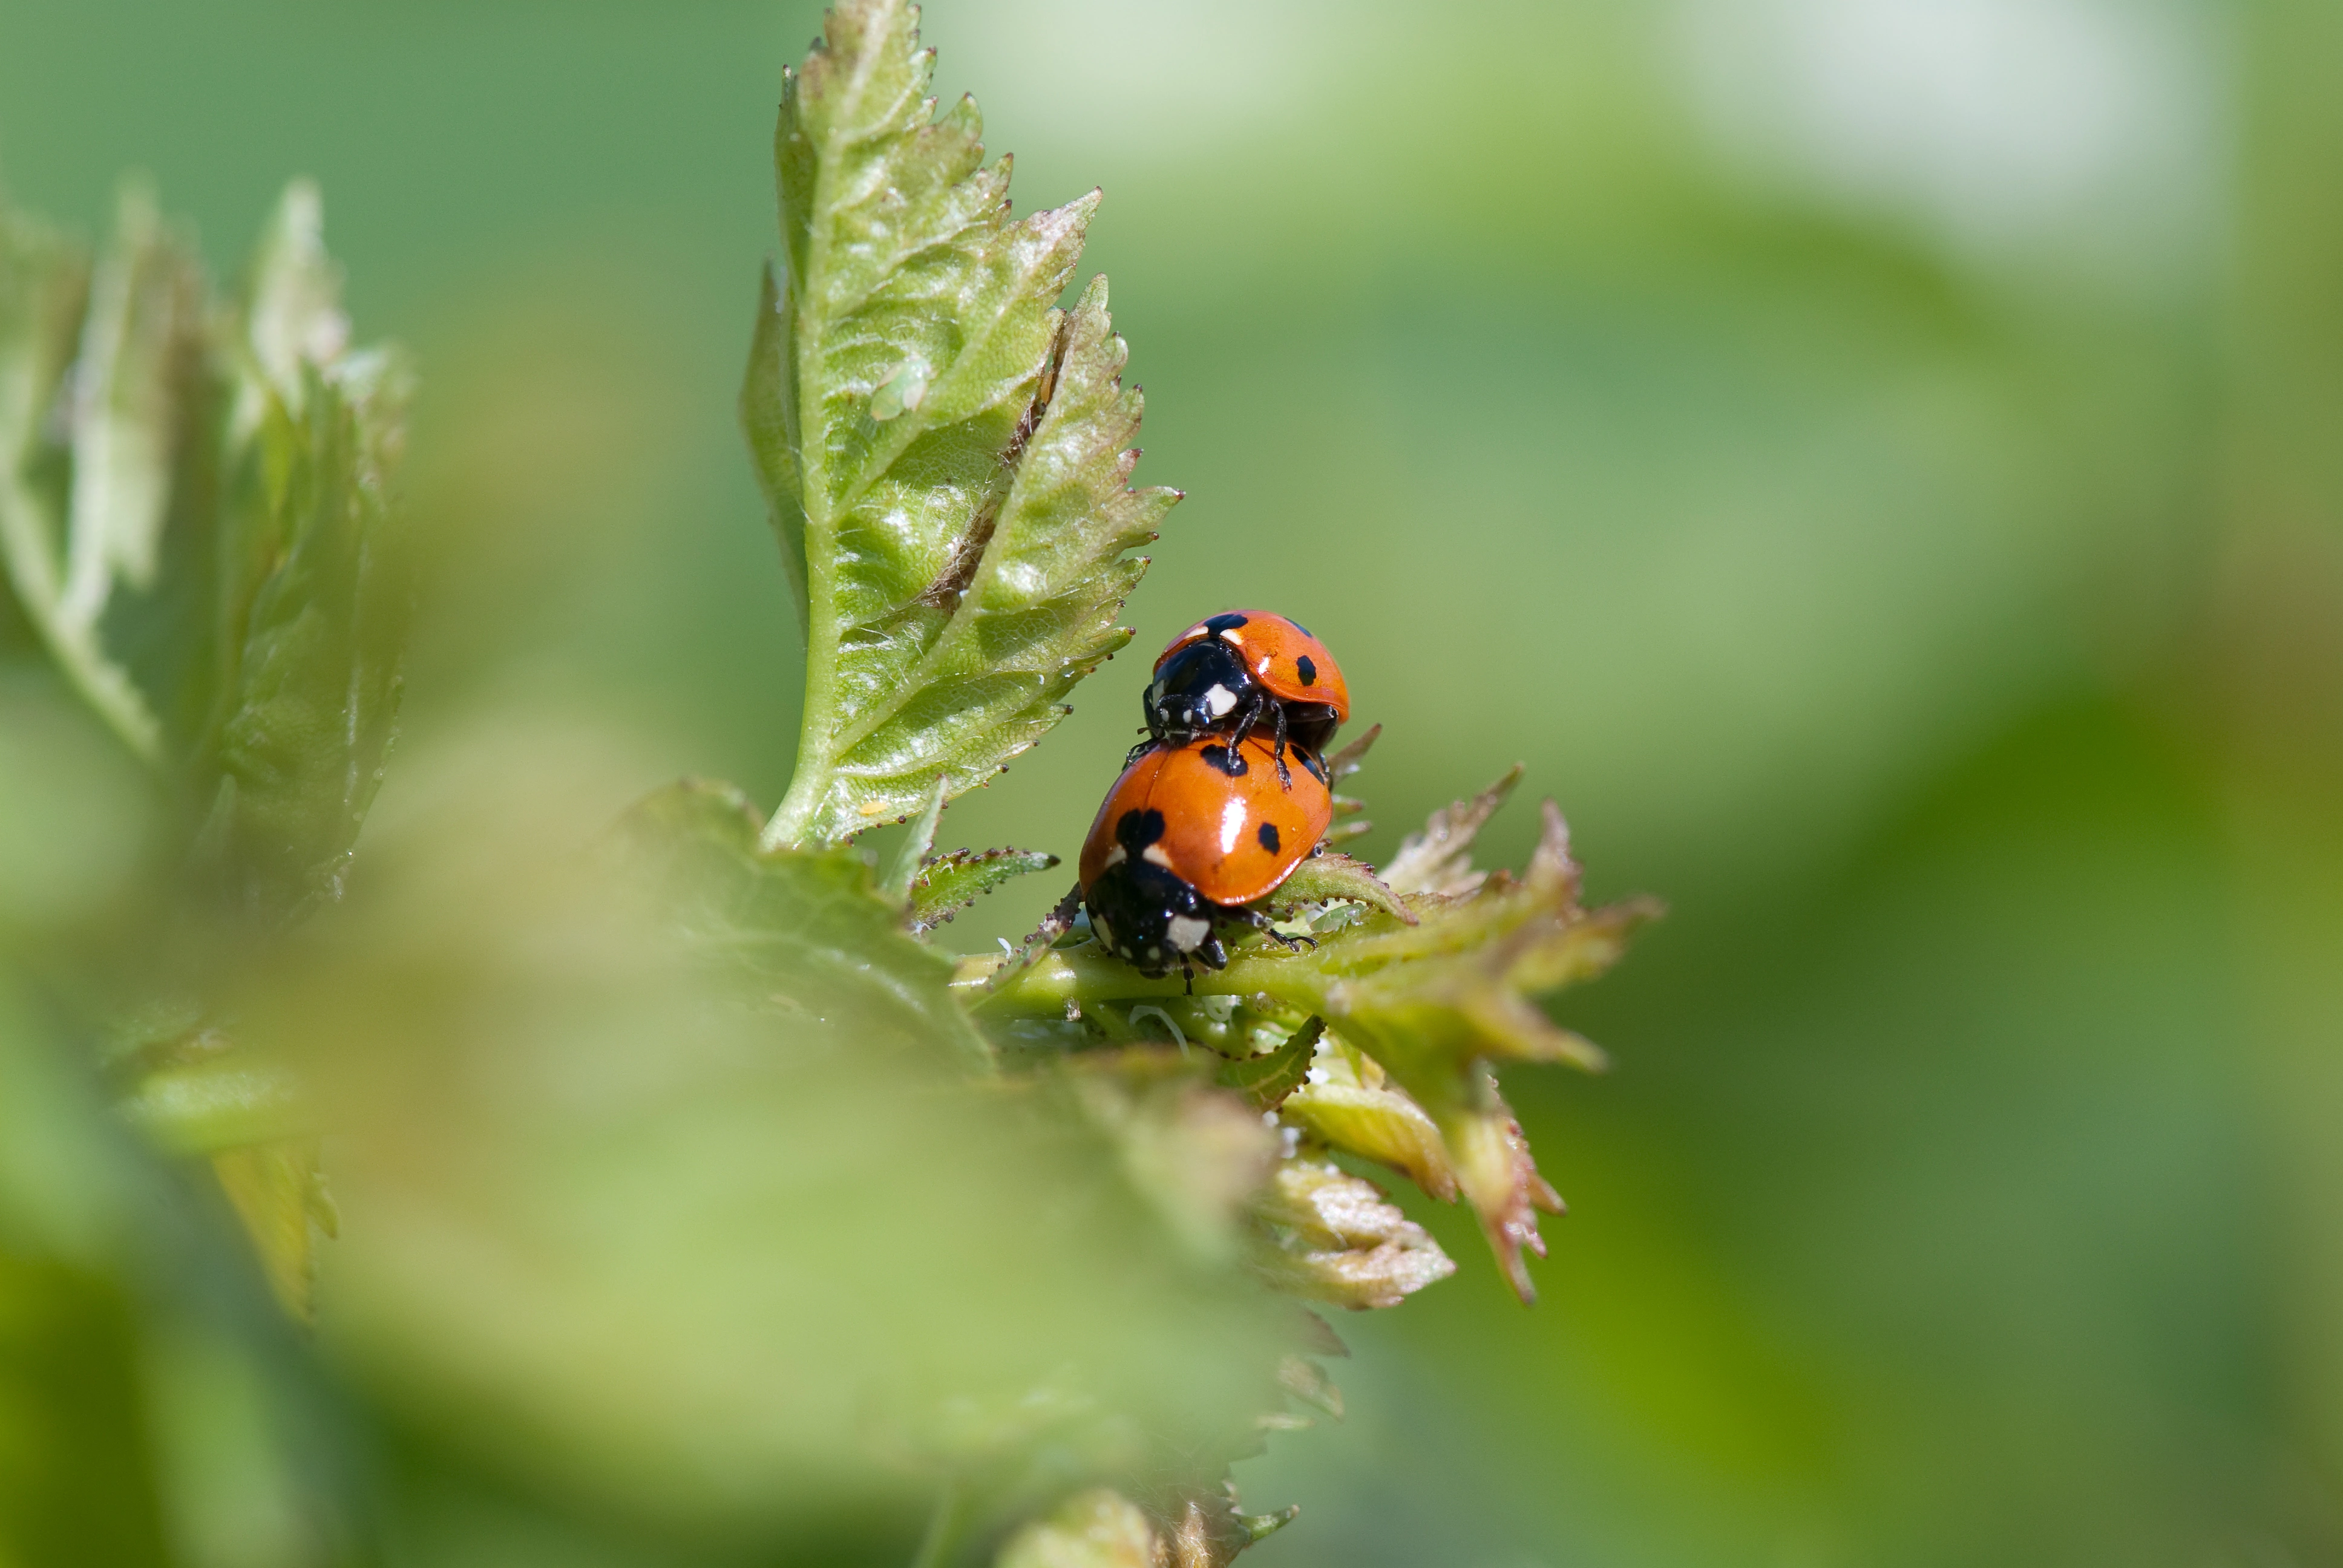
x: 1187, y: 933
x: 1154, y: 856
x: 1154, y: 953
x: 1232, y: 638
x: 1114, y: 857
x: 1232, y: 824
x: 1219, y: 700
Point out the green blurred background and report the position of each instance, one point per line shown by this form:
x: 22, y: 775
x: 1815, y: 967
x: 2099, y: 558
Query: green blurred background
x: 1878, y: 461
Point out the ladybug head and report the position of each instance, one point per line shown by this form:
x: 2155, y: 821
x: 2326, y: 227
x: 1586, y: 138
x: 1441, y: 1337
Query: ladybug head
x: 1197, y: 690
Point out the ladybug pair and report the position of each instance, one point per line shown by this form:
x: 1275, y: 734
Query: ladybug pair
x: 1226, y: 795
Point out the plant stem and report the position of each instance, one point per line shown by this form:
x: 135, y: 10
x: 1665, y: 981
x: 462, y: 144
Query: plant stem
x: 943, y: 1528
x: 809, y: 779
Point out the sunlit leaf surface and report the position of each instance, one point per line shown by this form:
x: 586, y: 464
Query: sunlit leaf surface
x: 945, y: 451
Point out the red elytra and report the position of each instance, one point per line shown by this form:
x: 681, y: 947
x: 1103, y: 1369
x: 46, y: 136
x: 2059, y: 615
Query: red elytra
x: 1222, y: 822
x: 1282, y: 655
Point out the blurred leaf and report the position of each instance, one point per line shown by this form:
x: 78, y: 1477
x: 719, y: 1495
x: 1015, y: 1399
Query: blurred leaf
x: 292, y: 320
x: 704, y: 1118
x: 88, y: 439
x: 77, y: 1472
x: 944, y: 452
x: 315, y: 620
x: 1329, y: 1236
x: 74, y: 1483
x: 808, y: 928
x: 195, y: 509
x: 1097, y: 1528
x: 75, y: 813
x: 1197, y: 1153
x: 219, y: 1099
x: 1306, y: 1380
x: 951, y: 881
x: 279, y: 1191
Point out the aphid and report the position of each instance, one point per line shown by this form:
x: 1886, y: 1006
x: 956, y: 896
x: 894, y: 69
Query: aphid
x: 1243, y: 668
x: 1189, y: 836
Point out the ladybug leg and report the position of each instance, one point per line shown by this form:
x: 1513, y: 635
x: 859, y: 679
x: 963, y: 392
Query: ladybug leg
x: 1054, y: 924
x: 1284, y: 778
x: 1246, y: 721
x: 1187, y: 975
x: 1268, y: 928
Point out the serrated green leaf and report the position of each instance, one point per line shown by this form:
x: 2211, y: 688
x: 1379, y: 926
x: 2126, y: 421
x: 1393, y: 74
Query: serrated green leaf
x: 1439, y: 860
x: 1427, y: 1004
x: 945, y: 453
x: 1267, y: 1079
x: 1329, y: 1236
x: 1500, y: 1179
x: 949, y: 882
x: 1328, y: 876
x: 1353, y: 757
x: 1375, y: 1122
x: 896, y: 885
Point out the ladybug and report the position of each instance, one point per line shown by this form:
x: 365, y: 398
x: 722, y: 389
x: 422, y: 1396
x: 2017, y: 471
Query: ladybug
x: 1231, y: 673
x: 1190, y: 836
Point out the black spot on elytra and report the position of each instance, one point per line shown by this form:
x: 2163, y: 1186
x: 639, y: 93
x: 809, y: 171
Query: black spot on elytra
x: 1135, y: 830
x: 1268, y: 837
x: 1227, y: 759
x: 1299, y: 626
x: 1309, y: 671
x: 1226, y: 622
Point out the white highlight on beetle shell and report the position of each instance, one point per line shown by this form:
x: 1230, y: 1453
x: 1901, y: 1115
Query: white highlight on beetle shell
x: 1261, y: 666
x: 1187, y: 932
x: 1233, y: 822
